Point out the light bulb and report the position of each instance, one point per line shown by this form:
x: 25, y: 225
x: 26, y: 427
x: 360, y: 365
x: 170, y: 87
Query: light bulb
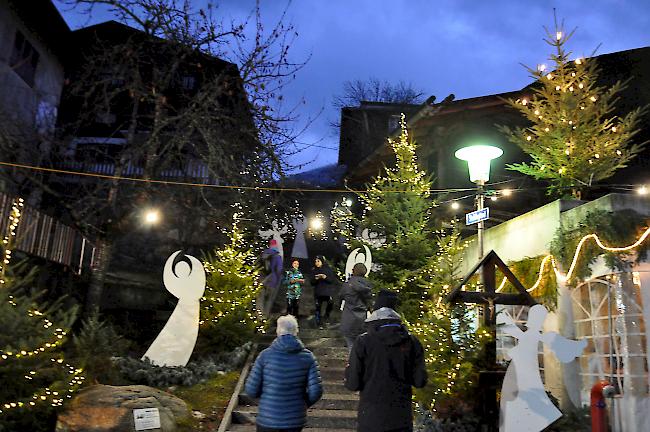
x: 455, y: 205
x: 642, y: 190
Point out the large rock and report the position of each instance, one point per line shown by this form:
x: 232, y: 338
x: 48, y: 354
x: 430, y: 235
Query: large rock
x: 103, y: 408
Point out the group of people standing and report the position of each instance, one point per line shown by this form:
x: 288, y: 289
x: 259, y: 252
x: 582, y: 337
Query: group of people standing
x: 384, y: 361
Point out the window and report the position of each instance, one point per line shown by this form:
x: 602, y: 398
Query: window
x: 393, y: 123
x: 24, y: 59
x: 188, y: 82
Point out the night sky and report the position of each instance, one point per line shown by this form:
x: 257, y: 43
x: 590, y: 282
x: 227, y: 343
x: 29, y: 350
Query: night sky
x: 466, y: 47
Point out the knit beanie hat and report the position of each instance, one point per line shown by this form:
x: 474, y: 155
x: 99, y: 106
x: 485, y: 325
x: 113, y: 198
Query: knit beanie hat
x: 386, y: 298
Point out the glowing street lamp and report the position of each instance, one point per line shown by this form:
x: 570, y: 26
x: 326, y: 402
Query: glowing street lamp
x: 478, y: 159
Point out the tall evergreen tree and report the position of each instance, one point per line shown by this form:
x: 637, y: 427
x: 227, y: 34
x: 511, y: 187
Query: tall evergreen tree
x: 574, y: 137
x: 398, y: 205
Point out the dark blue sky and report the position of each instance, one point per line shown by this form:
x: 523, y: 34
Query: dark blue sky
x: 466, y: 47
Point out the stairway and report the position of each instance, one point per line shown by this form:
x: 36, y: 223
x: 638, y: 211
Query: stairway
x: 337, y: 410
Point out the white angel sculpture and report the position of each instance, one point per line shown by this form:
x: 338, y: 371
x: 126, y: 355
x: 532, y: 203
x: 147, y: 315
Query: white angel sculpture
x: 525, y: 406
x: 276, y: 233
x: 175, y: 342
x: 356, y: 256
x: 372, y: 238
x: 299, y: 244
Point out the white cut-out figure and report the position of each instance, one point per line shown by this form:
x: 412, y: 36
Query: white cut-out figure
x: 175, y: 343
x: 525, y: 407
x: 372, y: 238
x: 356, y: 256
x: 276, y: 233
x: 299, y: 244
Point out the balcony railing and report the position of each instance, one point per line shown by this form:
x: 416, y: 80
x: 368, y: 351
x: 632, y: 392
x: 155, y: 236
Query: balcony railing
x: 43, y: 236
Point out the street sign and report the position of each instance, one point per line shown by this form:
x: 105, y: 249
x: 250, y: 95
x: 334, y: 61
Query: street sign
x: 477, y: 216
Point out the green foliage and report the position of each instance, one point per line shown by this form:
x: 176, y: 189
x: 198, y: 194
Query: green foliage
x: 527, y: 271
x: 574, y: 138
x: 425, y: 421
x: 31, y: 338
x: 94, y: 345
x: 137, y: 371
x: 226, y: 334
x: 616, y: 229
x: 232, y: 283
x: 452, y: 346
x: 210, y: 398
x: 398, y: 206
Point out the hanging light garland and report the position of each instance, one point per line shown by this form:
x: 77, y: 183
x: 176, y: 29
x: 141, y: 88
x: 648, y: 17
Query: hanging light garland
x: 566, y: 277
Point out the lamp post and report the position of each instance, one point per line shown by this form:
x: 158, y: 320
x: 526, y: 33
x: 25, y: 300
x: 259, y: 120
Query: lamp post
x: 478, y: 159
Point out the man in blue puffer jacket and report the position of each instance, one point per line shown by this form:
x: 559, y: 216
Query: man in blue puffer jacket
x: 287, y: 380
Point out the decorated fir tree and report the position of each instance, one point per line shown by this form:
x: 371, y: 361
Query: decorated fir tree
x: 398, y: 206
x: 233, y: 281
x: 574, y: 138
x: 445, y: 330
x: 36, y: 379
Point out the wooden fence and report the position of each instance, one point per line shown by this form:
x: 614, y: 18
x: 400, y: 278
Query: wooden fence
x: 43, y: 236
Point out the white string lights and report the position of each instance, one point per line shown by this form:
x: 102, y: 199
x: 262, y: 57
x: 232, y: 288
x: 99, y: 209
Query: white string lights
x: 75, y: 378
x: 569, y: 274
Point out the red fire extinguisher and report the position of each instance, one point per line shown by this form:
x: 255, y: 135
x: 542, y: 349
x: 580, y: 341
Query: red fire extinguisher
x: 600, y: 391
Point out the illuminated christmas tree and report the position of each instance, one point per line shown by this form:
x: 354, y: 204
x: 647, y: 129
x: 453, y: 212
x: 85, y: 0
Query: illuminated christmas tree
x: 398, y: 206
x: 33, y: 369
x: 574, y: 137
x: 446, y: 331
x: 233, y: 281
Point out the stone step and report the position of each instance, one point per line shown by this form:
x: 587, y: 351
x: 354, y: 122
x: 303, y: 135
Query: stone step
x: 321, y: 418
x: 336, y: 401
x: 309, y: 343
x: 324, y: 362
x: 335, y: 387
x: 332, y: 373
x: 331, y: 352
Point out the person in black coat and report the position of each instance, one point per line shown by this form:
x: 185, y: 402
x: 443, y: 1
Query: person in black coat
x: 287, y: 380
x: 385, y: 363
x: 357, y: 294
x: 325, y: 285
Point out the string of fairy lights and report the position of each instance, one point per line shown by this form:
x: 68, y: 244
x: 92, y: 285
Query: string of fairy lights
x: 75, y: 378
x: 566, y: 277
x: 233, y: 281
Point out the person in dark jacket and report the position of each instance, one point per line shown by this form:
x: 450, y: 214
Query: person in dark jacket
x: 287, y: 380
x: 385, y: 363
x: 272, y: 266
x: 325, y: 285
x: 356, y: 293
